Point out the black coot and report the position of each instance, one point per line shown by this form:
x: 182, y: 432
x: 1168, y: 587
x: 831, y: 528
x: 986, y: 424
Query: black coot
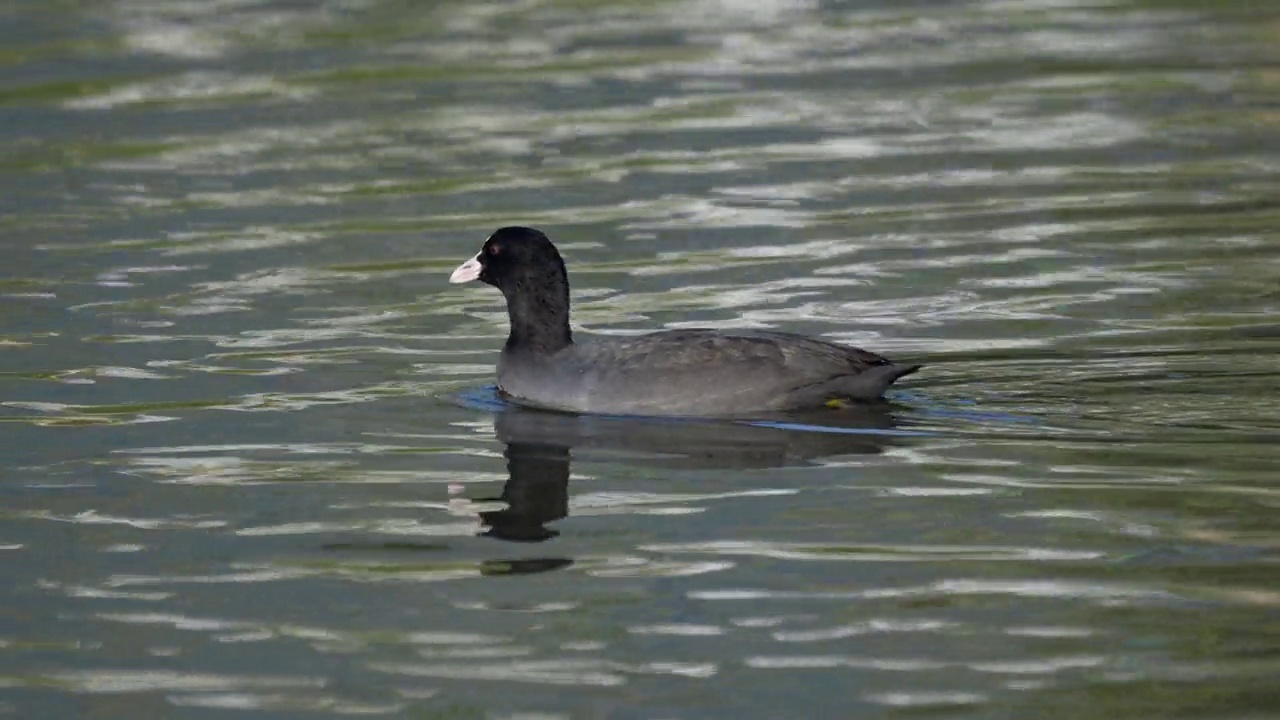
x: 707, y: 373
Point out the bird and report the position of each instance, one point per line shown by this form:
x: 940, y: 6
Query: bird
x: 703, y: 373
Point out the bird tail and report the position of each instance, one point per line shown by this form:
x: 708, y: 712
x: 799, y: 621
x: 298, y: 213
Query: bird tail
x: 871, y: 383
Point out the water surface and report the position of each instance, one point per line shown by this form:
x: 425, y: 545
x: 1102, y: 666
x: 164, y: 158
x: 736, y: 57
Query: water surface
x: 252, y: 463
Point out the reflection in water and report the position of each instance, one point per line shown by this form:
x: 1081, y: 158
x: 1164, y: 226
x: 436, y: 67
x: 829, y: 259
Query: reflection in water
x: 536, y: 493
x: 540, y: 445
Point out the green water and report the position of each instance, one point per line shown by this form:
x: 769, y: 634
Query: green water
x: 252, y: 465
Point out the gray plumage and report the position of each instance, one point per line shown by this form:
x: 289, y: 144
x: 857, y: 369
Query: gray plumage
x: 709, y: 373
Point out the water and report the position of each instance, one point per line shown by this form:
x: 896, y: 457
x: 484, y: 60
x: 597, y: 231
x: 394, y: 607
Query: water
x: 252, y: 460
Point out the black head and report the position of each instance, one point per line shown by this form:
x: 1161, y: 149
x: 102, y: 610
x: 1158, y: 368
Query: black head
x: 527, y: 268
x: 512, y: 255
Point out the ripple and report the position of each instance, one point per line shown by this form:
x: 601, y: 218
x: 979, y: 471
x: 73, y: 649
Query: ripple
x: 812, y: 662
x: 552, y: 672
x: 678, y: 630
x: 190, y: 88
x: 864, y: 628
x: 874, y: 553
x: 927, y: 699
x: 118, y: 681
x: 957, y: 587
x: 248, y: 418
x: 639, y: 567
x: 91, y: 517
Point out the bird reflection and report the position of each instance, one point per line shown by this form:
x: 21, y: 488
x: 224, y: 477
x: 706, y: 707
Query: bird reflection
x: 536, y: 493
x: 540, y: 445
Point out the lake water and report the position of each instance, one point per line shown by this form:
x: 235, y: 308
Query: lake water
x: 253, y: 464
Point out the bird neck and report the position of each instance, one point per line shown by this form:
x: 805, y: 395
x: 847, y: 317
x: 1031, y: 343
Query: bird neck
x: 539, y: 321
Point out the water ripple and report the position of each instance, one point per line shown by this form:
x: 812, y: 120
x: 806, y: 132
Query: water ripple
x: 254, y: 459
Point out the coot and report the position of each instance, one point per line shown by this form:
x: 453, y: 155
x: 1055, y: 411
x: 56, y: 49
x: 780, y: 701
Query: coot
x: 704, y: 373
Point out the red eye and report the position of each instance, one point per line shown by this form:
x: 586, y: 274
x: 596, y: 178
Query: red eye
x: 494, y: 249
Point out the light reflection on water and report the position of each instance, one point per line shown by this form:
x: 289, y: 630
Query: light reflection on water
x: 253, y: 460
